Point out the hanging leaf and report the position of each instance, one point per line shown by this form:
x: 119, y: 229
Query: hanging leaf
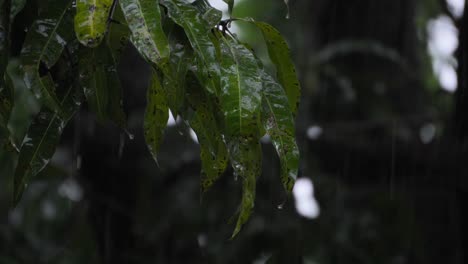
x: 213, y: 152
x: 246, y: 158
x: 230, y: 4
x: 118, y: 35
x: 240, y: 102
x: 40, y: 142
x: 279, y: 125
x: 241, y: 86
x: 174, y: 78
x: 44, y: 43
x: 280, y: 56
x: 156, y: 115
x: 144, y: 20
x: 210, y: 14
x: 197, y: 30
x: 91, y: 20
x: 100, y: 82
x: 116, y: 40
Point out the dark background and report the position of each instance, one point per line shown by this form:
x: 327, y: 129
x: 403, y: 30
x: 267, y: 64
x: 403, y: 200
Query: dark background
x: 389, y: 166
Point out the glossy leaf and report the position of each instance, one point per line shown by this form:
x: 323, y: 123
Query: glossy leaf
x: 246, y: 158
x: 240, y: 102
x: 40, y: 142
x: 44, y: 43
x: 213, y: 151
x: 91, y: 21
x: 279, y: 125
x: 210, y: 14
x: 174, y: 78
x: 156, y: 114
x: 280, y: 56
x: 197, y: 30
x: 144, y: 20
x: 241, y: 90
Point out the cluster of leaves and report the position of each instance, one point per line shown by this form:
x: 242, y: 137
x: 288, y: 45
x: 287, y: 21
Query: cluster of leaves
x: 200, y: 72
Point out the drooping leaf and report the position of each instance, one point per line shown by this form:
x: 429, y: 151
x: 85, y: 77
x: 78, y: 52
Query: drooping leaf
x: 197, y: 30
x: 156, y: 114
x: 44, y: 44
x: 210, y: 14
x: 144, y: 20
x: 280, y: 56
x: 230, y: 4
x: 174, y: 78
x: 240, y: 102
x: 279, y: 125
x: 100, y: 82
x: 240, y: 90
x: 213, y: 151
x: 40, y: 142
x: 246, y: 158
x: 91, y: 21
x: 116, y: 40
x: 118, y: 36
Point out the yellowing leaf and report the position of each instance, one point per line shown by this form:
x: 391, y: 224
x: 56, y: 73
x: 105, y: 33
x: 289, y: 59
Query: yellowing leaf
x: 91, y: 20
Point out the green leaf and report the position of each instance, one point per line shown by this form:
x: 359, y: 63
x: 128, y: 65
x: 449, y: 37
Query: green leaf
x: 198, y: 32
x: 156, y: 115
x: 280, y: 56
x: 246, y: 156
x: 44, y: 43
x: 117, y: 40
x: 230, y: 4
x: 118, y: 36
x: 174, y: 78
x: 213, y: 151
x: 241, y: 87
x: 210, y: 14
x: 144, y: 19
x: 40, y: 142
x: 100, y: 82
x: 91, y: 21
x: 240, y: 90
x: 279, y: 125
